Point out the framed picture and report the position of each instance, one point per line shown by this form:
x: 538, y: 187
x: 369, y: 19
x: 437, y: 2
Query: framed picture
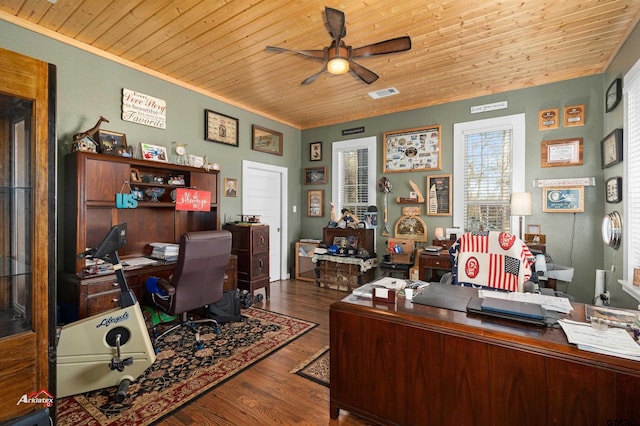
x: 315, y: 175
x: 154, y: 152
x: 230, y: 187
x: 533, y: 229
x: 112, y: 143
x: 438, y: 200
x: 411, y: 228
x: 315, y: 203
x: 266, y: 140
x: 613, y: 189
x: 196, y: 161
x: 611, y: 148
x: 563, y: 199
x: 315, y: 151
x: 135, y: 175
x: 412, y: 150
x: 561, y: 152
x: 613, y: 95
x: 220, y: 128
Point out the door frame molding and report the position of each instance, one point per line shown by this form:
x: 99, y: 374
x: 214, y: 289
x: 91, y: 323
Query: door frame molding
x: 284, y: 226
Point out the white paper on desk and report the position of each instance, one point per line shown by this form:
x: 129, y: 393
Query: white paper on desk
x: 138, y: 261
x: 366, y: 290
x: 550, y: 303
x: 612, y: 341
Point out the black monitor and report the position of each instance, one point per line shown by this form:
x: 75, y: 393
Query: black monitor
x: 116, y: 238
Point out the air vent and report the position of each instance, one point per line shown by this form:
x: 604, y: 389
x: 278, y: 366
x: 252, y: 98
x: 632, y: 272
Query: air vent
x: 384, y: 93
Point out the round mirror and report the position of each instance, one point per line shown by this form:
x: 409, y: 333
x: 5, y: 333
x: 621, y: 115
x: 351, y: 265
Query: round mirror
x: 612, y: 229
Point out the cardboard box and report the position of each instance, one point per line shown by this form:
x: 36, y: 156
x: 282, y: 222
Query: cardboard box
x: 408, y: 247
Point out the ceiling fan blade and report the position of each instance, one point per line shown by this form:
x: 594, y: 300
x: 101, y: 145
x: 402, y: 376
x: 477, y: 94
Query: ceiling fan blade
x: 363, y: 73
x: 335, y: 21
x: 319, y: 54
x: 313, y: 78
x: 399, y: 44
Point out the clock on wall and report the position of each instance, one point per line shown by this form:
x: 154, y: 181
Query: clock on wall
x: 612, y: 229
x: 613, y: 95
x: 613, y: 188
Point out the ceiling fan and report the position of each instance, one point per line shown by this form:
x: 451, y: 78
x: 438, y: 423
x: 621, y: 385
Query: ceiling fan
x: 338, y: 57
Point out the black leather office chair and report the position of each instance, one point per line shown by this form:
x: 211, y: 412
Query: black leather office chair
x: 197, y: 280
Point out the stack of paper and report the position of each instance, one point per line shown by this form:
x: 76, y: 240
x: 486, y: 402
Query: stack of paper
x: 612, y: 341
x: 165, y: 251
x: 550, y: 303
x: 385, y: 282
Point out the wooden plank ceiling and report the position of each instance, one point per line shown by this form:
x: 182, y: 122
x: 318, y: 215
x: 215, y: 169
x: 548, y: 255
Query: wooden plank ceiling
x: 461, y: 48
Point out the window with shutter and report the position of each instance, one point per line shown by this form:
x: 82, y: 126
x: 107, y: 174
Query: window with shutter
x: 488, y: 167
x: 354, y: 178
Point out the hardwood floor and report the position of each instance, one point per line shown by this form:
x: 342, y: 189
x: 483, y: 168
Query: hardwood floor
x: 267, y: 393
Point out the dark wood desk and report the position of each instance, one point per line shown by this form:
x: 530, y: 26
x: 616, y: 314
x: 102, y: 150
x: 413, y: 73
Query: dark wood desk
x: 411, y: 364
x: 96, y: 294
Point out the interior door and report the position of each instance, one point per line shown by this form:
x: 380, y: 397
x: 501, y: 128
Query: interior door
x: 27, y: 236
x: 264, y: 193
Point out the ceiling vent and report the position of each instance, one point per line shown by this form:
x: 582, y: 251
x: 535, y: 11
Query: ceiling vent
x: 384, y: 93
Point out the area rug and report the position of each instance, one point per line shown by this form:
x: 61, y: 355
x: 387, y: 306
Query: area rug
x: 181, y: 372
x: 316, y: 367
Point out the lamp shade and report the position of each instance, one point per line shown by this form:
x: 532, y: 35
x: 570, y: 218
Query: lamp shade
x: 521, y: 204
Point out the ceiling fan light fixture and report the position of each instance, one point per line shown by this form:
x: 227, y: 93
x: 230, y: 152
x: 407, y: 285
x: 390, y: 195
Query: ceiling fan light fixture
x: 338, y: 66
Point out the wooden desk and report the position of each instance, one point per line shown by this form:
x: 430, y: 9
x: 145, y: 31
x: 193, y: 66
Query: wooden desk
x: 432, y: 267
x: 100, y: 293
x: 412, y: 364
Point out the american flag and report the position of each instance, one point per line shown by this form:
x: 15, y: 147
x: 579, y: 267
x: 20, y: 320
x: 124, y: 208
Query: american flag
x: 499, y: 267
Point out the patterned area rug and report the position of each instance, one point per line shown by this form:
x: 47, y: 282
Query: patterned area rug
x: 316, y: 367
x: 182, y: 373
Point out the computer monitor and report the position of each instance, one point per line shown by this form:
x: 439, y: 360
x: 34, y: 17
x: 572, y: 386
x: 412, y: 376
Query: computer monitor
x: 116, y: 238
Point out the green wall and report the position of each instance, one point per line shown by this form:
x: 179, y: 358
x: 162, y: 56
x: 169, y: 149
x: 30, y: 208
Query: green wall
x: 90, y: 86
x: 572, y: 239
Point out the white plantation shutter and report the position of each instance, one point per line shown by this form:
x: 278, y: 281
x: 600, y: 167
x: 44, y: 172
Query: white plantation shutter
x: 354, y: 183
x: 631, y: 157
x: 487, y: 175
x: 488, y: 166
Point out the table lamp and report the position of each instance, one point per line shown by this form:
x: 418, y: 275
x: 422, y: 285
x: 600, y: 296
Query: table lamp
x: 521, y: 206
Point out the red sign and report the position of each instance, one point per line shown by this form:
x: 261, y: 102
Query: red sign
x: 193, y: 200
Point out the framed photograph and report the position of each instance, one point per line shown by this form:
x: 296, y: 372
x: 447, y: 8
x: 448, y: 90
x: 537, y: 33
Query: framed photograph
x: 613, y: 95
x: 574, y: 116
x: 315, y: 175
x: 154, y: 152
x: 196, y: 161
x: 135, y: 175
x: 533, y: 229
x: 563, y: 199
x: 412, y: 150
x: 220, y: 128
x: 561, y: 152
x: 315, y: 203
x: 266, y: 140
x: 111, y: 143
x: 230, y: 187
x: 613, y: 189
x: 439, y: 189
x: 611, y: 148
x: 315, y: 151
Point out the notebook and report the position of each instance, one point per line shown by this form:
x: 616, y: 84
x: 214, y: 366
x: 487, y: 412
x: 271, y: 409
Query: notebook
x: 509, y: 309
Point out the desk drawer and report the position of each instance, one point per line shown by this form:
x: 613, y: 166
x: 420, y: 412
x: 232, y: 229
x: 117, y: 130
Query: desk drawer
x: 435, y: 262
x: 103, y: 302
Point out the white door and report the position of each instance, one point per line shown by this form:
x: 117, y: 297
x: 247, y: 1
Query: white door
x: 264, y: 193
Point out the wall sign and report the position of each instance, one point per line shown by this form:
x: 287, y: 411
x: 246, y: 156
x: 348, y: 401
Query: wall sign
x: 193, y: 200
x: 144, y: 109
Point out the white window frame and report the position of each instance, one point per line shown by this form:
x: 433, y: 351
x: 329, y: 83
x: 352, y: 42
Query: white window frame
x: 514, y: 122
x: 369, y: 143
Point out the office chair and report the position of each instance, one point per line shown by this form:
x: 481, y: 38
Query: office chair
x: 492, y: 260
x: 197, y: 280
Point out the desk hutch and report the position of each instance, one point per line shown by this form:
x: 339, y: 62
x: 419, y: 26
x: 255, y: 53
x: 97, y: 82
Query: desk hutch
x: 92, y: 182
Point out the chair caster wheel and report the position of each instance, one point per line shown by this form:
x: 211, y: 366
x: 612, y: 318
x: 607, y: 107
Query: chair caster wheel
x: 217, y: 330
x: 200, y: 346
x: 258, y: 298
x: 155, y: 350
